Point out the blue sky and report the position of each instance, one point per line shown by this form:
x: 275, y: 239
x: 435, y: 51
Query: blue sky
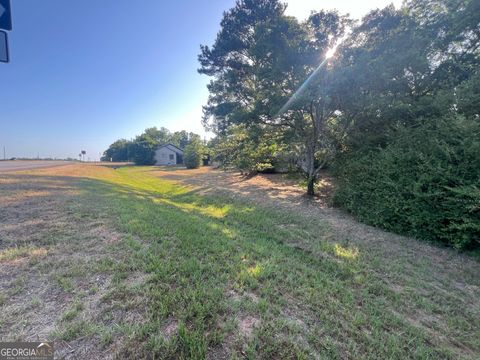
x: 85, y: 73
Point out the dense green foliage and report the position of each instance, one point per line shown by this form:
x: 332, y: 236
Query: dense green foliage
x: 258, y: 61
x: 394, y: 110
x: 117, y: 152
x: 424, y: 183
x: 239, y: 148
x: 142, y: 152
x: 409, y: 84
x: 141, y: 149
x: 193, y: 154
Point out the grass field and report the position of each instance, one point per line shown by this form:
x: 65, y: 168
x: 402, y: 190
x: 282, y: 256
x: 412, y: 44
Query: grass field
x: 125, y: 264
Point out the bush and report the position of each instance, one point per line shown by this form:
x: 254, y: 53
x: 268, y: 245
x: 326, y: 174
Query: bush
x: 425, y: 183
x: 192, y: 156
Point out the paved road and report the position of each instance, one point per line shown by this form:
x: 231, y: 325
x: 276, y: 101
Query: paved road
x: 28, y: 165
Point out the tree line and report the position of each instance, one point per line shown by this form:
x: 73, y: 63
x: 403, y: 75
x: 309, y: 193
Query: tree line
x: 394, y: 113
x: 141, y: 149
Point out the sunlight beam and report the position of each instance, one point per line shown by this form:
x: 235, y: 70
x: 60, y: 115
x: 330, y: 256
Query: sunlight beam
x: 301, y: 89
x: 331, y: 52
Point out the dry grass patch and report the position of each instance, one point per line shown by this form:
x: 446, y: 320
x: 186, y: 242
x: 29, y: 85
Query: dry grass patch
x: 52, y: 279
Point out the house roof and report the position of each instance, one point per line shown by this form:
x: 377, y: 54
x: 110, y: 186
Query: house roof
x: 175, y: 148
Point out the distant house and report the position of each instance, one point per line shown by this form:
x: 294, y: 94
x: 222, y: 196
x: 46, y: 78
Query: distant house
x: 168, y: 154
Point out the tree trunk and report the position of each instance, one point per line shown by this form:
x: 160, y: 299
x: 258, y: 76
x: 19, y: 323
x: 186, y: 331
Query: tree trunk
x: 311, y: 185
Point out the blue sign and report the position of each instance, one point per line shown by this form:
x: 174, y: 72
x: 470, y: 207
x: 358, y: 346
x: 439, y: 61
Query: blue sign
x: 3, y: 47
x: 5, y: 15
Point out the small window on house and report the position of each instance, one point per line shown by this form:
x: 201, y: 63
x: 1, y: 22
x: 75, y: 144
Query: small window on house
x: 171, y: 156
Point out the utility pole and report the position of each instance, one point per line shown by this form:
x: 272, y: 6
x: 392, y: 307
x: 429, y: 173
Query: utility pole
x: 4, y: 156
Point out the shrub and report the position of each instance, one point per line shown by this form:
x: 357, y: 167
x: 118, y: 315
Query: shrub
x: 192, y: 156
x: 425, y: 183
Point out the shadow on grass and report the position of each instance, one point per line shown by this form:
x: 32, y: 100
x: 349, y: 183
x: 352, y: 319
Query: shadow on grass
x: 217, y: 267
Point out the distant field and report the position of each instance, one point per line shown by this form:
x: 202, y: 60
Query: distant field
x: 17, y: 165
x: 140, y: 262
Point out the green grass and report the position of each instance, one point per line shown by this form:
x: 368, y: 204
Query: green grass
x: 215, y: 264
x: 132, y: 265
x: 73, y: 311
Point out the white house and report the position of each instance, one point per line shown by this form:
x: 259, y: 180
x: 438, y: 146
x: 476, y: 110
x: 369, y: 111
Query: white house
x: 168, y: 154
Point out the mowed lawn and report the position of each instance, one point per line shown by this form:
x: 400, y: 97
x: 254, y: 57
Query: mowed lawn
x: 120, y: 263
